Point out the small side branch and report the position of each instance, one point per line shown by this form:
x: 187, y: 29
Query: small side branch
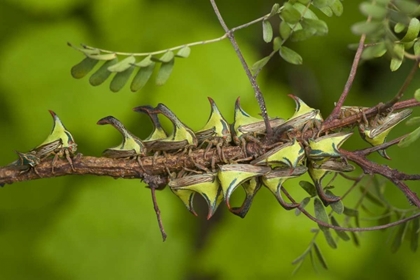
x: 258, y: 93
x: 393, y: 175
x: 336, y: 112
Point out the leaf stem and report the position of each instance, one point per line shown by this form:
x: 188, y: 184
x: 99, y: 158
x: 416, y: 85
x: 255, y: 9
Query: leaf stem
x: 203, y: 42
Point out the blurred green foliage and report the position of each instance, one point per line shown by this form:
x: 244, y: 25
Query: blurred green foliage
x: 100, y: 228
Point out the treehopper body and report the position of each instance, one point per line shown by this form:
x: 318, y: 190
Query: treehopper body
x: 206, y: 185
x: 233, y: 175
x: 275, y: 179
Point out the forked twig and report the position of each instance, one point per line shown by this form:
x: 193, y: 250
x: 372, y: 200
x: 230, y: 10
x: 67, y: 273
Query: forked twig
x: 369, y: 167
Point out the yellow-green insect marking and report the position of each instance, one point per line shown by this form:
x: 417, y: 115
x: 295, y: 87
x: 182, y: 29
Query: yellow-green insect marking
x: 181, y: 137
x: 216, y: 132
x: 302, y: 109
x: 131, y: 146
x: 187, y: 197
x: 60, y: 142
x: 274, y: 181
x: 290, y: 154
x: 233, y: 175
x: 327, y: 146
x: 376, y: 131
x: 59, y: 132
x: 216, y: 126
x: 319, y: 171
x: 244, y: 124
x: 206, y: 185
x: 158, y: 132
x: 251, y: 187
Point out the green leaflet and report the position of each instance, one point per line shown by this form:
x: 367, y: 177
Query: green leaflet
x: 321, y: 214
x: 120, y: 79
x: 102, y: 73
x: 81, y: 69
x: 290, y: 55
x: 142, y: 76
x: 164, y: 72
x: 267, y: 31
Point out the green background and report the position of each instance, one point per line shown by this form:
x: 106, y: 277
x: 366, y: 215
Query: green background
x: 100, y: 228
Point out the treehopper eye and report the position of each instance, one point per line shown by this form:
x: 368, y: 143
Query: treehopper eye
x: 327, y: 146
x: 319, y: 171
x: 289, y: 154
x: 206, y: 185
x: 233, y: 175
x: 275, y: 179
x: 377, y: 131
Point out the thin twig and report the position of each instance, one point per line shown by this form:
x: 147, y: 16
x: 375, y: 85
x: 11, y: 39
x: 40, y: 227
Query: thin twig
x: 336, y: 112
x: 203, y: 42
x: 157, y: 211
x: 403, y: 88
x: 307, y: 214
x: 393, y: 175
x: 257, y: 91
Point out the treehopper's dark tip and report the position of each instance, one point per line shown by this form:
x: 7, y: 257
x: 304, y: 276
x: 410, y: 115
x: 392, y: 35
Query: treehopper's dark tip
x: 53, y: 114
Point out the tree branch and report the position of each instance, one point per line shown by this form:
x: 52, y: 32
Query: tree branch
x: 121, y: 168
